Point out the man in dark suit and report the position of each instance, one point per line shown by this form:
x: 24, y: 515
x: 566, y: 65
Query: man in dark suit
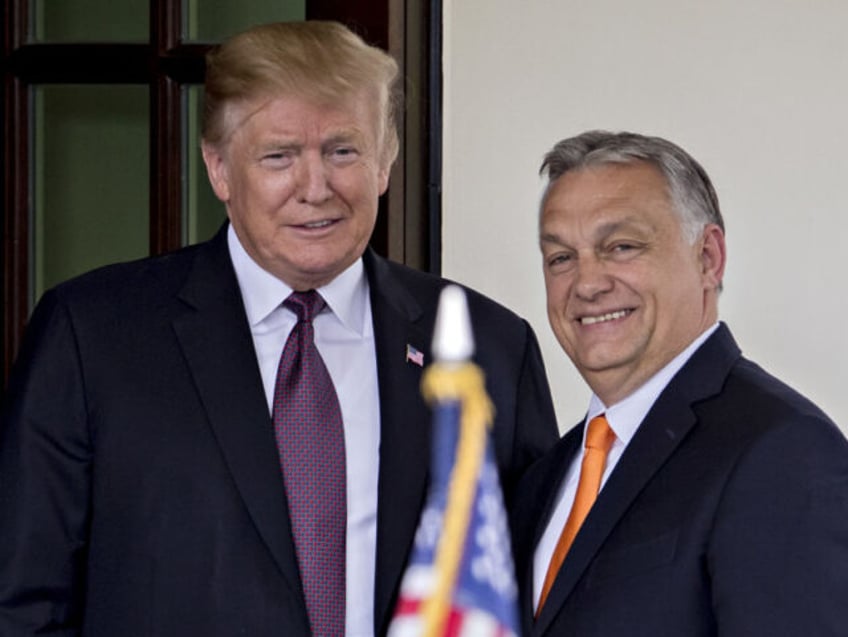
x: 142, y: 488
x: 723, y: 504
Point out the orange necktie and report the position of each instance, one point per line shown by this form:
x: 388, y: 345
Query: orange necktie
x: 599, y: 439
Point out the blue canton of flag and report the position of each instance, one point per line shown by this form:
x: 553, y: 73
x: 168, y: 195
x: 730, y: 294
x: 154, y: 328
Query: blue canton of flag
x: 487, y: 579
x: 472, y: 571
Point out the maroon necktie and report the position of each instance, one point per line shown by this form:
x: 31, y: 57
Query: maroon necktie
x: 310, y: 441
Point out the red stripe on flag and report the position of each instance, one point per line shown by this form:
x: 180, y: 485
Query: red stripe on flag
x: 408, y: 606
x: 453, y: 624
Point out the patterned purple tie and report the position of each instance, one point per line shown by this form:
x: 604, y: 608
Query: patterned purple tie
x: 310, y: 441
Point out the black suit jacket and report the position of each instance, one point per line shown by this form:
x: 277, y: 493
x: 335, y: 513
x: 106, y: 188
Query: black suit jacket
x: 726, y: 515
x: 140, y: 489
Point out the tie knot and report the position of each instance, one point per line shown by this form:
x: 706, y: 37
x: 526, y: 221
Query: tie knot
x: 305, y: 304
x: 599, y: 435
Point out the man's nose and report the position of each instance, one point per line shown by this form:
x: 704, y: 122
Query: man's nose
x: 313, y: 180
x: 592, y: 277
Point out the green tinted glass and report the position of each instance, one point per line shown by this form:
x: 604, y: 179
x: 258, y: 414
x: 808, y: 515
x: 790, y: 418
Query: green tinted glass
x: 91, y: 179
x: 215, y: 20
x: 90, y: 20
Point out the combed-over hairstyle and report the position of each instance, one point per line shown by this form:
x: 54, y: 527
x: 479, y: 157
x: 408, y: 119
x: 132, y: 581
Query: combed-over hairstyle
x: 317, y: 60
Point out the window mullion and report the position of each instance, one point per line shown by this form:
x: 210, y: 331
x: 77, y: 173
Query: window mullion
x: 165, y: 130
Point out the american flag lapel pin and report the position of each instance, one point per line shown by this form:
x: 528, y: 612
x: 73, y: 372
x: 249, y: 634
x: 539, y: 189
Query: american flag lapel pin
x: 414, y: 355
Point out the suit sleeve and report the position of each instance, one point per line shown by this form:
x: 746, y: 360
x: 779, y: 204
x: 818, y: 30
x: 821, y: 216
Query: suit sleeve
x: 779, y: 552
x: 536, y: 428
x: 45, y: 471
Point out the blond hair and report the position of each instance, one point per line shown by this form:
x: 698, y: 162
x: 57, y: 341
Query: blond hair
x: 317, y: 60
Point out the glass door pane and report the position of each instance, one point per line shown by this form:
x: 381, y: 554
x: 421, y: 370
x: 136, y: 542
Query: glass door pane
x: 204, y: 212
x: 59, y: 21
x: 91, y: 179
x: 216, y: 20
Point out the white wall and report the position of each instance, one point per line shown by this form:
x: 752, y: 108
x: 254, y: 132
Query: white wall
x: 757, y: 91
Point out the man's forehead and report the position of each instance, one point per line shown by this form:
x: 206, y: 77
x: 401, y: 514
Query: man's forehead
x: 607, y: 187
x: 344, y: 119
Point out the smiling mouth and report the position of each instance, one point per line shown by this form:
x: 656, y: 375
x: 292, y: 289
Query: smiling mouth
x: 603, y: 318
x: 316, y: 225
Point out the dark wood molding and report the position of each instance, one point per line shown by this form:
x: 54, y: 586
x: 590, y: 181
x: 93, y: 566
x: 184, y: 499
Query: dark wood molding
x: 432, y: 130
x: 184, y: 63
x: 15, y: 190
x: 368, y: 18
x: 166, y: 166
x: 81, y: 63
x: 166, y: 132
x: 15, y: 217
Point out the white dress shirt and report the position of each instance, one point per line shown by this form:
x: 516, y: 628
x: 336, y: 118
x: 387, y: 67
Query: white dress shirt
x: 624, y: 419
x: 344, y: 336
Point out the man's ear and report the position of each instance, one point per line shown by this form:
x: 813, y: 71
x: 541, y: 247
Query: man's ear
x: 383, y: 178
x: 216, y: 169
x: 713, y: 256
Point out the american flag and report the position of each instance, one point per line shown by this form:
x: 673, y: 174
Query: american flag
x: 460, y: 580
x: 414, y: 355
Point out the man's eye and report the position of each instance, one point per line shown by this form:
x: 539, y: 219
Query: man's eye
x: 624, y: 248
x: 344, y: 153
x: 558, y: 262
x: 278, y: 159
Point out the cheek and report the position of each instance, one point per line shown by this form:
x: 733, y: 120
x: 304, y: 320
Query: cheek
x: 550, y: 283
x: 558, y: 289
x: 365, y: 182
x: 557, y: 308
x: 269, y: 191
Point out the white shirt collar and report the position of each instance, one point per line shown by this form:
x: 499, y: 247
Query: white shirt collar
x: 625, y: 416
x: 262, y: 292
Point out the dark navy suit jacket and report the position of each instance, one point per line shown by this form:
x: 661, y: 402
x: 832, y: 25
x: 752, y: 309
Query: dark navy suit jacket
x: 726, y: 515
x: 140, y: 489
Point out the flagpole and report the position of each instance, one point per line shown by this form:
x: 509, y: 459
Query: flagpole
x: 454, y: 378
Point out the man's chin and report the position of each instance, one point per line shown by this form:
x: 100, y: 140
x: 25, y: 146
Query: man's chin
x: 602, y: 365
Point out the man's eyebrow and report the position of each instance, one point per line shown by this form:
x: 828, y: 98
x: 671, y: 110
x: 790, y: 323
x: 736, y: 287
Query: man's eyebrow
x: 281, y: 143
x: 610, y: 227
x: 551, y: 237
x: 601, y: 232
x: 635, y: 223
x: 343, y: 136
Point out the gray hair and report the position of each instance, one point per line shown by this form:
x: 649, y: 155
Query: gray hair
x: 690, y: 189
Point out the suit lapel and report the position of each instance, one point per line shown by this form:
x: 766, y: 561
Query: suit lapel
x: 662, y: 430
x: 218, y: 347
x: 404, y: 431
